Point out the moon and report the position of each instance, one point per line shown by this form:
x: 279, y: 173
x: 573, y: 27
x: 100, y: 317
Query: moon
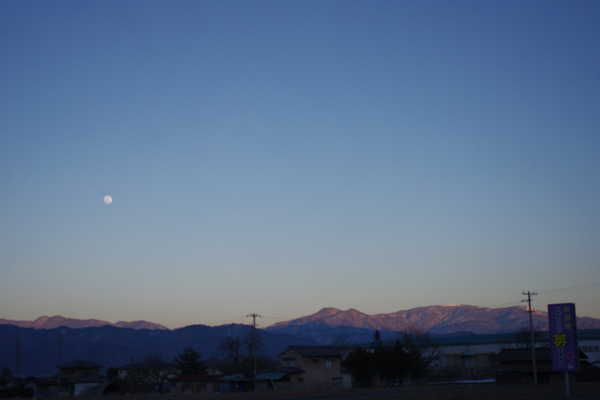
x: 107, y: 199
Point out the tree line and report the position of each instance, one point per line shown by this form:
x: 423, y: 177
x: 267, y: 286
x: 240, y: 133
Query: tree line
x: 235, y: 356
x: 412, y: 354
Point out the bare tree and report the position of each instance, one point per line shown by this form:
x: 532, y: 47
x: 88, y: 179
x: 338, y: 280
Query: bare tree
x: 422, y: 349
x: 249, y: 343
x: 340, y: 342
x: 521, y: 339
x: 156, y: 369
x: 237, y: 353
x: 231, y: 350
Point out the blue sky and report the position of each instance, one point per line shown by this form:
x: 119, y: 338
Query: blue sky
x: 281, y: 157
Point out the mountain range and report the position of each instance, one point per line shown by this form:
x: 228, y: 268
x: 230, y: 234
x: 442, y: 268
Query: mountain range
x: 437, y: 320
x: 115, y: 344
x: 58, y: 321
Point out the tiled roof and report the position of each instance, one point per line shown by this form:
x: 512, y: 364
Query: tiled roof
x: 196, y: 378
x: 81, y: 364
x: 314, y: 351
x: 127, y: 367
x: 85, y: 380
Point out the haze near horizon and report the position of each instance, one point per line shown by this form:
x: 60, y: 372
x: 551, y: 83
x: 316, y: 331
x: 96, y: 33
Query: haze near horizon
x: 194, y: 162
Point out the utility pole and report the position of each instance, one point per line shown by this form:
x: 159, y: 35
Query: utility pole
x: 254, y: 316
x: 529, y: 294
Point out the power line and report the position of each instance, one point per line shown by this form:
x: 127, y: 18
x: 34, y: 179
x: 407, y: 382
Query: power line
x: 557, y: 290
x: 506, y: 304
x: 586, y: 286
x: 226, y: 320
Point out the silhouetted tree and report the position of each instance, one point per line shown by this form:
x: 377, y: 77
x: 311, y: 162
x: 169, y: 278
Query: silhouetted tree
x: 521, y: 339
x: 156, y: 369
x: 376, y: 342
x: 6, y: 376
x: 231, y: 350
x: 339, y: 342
x: 392, y: 362
x: 361, y: 362
x: 189, y: 362
x: 422, y: 351
x: 112, y: 373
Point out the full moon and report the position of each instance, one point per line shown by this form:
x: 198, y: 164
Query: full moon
x: 107, y: 199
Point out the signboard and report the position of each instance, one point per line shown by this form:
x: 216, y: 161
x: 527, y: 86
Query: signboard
x: 563, y: 337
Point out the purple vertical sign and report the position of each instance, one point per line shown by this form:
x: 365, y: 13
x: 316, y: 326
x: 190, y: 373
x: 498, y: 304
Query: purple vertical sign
x: 563, y: 337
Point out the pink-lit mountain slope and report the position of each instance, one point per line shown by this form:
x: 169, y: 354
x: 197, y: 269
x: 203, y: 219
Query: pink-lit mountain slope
x: 58, y: 321
x: 435, y: 319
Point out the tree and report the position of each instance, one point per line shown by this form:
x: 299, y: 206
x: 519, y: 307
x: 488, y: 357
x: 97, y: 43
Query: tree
x: 189, y: 362
x: 249, y: 344
x: 422, y: 351
x: 521, y: 339
x: 112, y: 373
x: 376, y: 343
x: 6, y: 376
x: 392, y: 362
x: 230, y: 348
x: 156, y: 369
x: 361, y: 362
x: 339, y: 342
x: 238, y: 354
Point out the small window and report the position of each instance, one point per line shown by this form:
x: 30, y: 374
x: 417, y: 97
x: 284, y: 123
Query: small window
x: 337, y: 381
x: 328, y: 364
x: 596, y: 349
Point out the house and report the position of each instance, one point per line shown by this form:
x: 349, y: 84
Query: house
x: 235, y: 383
x: 516, y: 367
x: 78, y: 385
x: 589, y: 342
x: 191, y: 384
x: 278, y: 379
x: 79, y: 368
x: 312, y: 367
x: 126, y: 370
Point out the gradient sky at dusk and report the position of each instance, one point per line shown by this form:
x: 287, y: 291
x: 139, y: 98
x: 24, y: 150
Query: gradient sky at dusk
x: 278, y: 157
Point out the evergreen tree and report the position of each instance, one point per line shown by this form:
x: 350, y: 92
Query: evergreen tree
x: 376, y: 343
x: 189, y: 362
x: 362, y: 364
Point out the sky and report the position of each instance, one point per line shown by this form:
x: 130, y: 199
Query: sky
x: 279, y: 157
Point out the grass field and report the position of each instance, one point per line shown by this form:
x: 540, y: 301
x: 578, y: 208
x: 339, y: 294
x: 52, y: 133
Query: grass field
x: 455, y: 392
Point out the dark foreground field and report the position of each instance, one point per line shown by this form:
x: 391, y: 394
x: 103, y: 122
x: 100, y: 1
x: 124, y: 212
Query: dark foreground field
x: 471, y: 392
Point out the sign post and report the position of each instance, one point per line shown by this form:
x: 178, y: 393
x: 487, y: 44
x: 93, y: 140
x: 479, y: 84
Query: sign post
x: 563, y: 339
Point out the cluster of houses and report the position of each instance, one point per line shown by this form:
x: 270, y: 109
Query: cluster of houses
x: 320, y: 367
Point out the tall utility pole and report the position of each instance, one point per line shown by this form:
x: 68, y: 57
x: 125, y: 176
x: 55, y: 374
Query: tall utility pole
x: 529, y: 294
x: 254, y: 316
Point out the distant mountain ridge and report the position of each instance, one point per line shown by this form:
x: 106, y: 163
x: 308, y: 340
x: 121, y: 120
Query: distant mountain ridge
x: 437, y: 320
x: 57, y: 321
x: 113, y: 346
